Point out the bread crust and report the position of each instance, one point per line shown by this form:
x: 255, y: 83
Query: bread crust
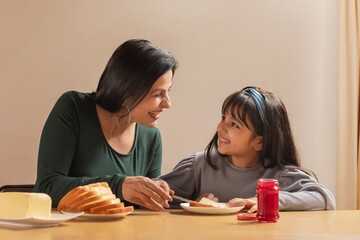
x: 105, y: 207
x: 197, y: 204
x: 119, y: 210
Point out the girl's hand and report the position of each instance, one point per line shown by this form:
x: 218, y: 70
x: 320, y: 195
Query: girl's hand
x: 209, y: 196
x: 146, y: 192
x: 249, y: 203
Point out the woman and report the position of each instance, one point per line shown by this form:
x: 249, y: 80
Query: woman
x: 110, y: 135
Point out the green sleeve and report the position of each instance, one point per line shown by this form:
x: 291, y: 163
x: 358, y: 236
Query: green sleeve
x: 155, y: 167
x: 57, y: 150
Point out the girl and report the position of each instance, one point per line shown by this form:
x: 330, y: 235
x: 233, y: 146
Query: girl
x: 253, y: 141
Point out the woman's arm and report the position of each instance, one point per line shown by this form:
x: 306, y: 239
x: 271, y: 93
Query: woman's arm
x: 155, y: 159
x: 57, y: 149
x: 144, y: 191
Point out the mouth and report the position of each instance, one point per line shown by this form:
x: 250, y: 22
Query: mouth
x: 155, y: 114
x: 223, y: 140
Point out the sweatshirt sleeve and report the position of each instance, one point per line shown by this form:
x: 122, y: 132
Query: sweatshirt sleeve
x: 57, y: 150
x: 182, y: 178
x: 300, y: 191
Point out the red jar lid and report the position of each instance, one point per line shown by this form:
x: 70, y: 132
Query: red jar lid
x: 246, y: 216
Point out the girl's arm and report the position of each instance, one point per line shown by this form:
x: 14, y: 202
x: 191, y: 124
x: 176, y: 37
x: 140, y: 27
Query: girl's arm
x: 182, y: 179
x: 249, y: 203
x: 299, y: 191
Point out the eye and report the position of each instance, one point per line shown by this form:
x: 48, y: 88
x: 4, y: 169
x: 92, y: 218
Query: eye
x: 234, y: 125
x: 159, y: 94
x: 222, y: 118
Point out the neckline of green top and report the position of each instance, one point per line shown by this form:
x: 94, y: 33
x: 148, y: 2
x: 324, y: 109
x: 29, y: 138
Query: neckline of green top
x: 105, y: 140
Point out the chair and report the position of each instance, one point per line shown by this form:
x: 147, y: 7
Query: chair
x: 17, y: 188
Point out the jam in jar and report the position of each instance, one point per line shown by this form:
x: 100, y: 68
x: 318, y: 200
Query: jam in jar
x: 268, y: 200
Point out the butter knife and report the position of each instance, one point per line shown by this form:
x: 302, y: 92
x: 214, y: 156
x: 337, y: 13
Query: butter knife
x: 182, y: 199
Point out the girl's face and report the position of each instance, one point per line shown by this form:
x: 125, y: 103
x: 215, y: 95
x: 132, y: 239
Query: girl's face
x: 148, y: 111
x: 237, y: 142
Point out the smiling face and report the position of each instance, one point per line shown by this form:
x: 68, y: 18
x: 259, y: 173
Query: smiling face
x: 238, y: 142
x: 148, y: 111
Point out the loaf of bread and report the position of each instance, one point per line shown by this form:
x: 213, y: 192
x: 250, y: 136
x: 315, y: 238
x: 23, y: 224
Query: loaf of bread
x: 205, y: 202
x: 96, y: 198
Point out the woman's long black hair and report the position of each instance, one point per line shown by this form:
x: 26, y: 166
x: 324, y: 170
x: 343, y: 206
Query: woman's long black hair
x: 130, y: 73
x: 278, y: 146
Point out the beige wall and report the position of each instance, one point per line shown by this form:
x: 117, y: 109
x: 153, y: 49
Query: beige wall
x: 48, y: 47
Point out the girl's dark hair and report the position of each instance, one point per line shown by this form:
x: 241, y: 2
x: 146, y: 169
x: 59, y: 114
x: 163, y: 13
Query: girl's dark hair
x: 278, y: 146
x: 130, y: 73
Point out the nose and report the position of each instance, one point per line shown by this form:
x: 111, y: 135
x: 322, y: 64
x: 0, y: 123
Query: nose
x: 221, y: 127
x: 166, y: 103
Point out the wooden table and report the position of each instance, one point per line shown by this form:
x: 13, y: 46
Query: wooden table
x: 178, y: 224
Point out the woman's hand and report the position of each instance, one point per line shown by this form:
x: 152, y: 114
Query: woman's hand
x: 249, y: 203
x: 164, y: 186
x: 146, y: 192
x: 209, y: 196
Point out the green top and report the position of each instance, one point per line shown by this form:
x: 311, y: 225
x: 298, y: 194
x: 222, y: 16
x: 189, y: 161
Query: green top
x: 74, y: 151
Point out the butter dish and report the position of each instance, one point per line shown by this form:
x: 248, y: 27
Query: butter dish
x: 54, y: 220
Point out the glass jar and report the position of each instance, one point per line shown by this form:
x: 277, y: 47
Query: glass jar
x: 267, y: 200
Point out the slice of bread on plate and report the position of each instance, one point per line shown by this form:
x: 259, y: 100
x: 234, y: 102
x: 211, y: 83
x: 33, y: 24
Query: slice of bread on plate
x: 205, y: 202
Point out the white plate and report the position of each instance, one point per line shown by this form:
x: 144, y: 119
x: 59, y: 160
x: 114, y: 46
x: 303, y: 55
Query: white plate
x: 54, y: 220
x: 102, y: 216
x: 210, y: 210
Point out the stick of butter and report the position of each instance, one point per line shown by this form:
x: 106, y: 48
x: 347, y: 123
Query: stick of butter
x: 22, y: 205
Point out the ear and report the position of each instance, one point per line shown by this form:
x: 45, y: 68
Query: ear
x: 259, y: 143
x: 127, y: 105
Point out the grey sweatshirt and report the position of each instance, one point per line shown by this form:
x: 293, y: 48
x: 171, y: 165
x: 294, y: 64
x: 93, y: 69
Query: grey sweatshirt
x: 193, y: 176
